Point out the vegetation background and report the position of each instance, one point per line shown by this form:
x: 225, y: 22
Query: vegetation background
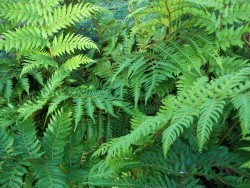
x: 133, y: 93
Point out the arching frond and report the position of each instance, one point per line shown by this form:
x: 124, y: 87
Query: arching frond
x: 69, y: 43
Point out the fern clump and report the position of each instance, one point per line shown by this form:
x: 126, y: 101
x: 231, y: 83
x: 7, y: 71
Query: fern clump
x: 149, y: 93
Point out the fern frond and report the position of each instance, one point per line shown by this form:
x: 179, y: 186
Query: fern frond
x: 7, y: 141
x: 56, y: 134
x: 78, y: 111
x: 232, y: 36
x: 8, y: 89
x: 27, y: 141
x: 19, y: 12
x: 65, y: 16
x: 70, y: 42
x: 36, y: 61
x: 25, y: 84
x: 182, y: 119
x: 210, y: 112
x: 23, y: 39
x: 56, y: 102
x: 13, y: 173
x: 236, y: 12
x: 75, y: 62
x: 242, y: 104
x: 49, y: 174
x: 30, y: 107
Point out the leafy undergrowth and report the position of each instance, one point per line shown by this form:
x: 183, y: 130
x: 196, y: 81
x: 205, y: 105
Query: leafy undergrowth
x: 124, y: 93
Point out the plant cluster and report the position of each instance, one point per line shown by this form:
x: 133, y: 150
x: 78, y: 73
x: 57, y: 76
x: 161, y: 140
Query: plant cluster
x: 137, y: 93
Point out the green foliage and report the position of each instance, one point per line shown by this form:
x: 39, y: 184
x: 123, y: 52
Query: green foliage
x: 124, y: 93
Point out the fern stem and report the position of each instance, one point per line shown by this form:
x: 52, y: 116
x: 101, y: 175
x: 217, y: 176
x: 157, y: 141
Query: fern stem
x: 161, y: 131
x: 228, y: 132
x: 99, y: 31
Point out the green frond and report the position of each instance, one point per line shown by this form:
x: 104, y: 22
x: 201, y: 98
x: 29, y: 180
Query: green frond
x: 70, y: 42
x: 236, y: 12
x: 56, y: 102
x: 232, y: 36
x: 210, y: 112
x: 37, y: 76
x: 31, y: 106
x: 154, y: 78
x: 65, y: 16
x: 8, y: 89
x: 37, y: 61
x: 121, y: 145
x: 49, y: 174
x: 19, y: 12
x: 23, y: 39
x: 206, y: 20
x: 56, y: 134
x: 27, y: 141
x: 230, y: 65
x: 182, y: 119
x: 25, y: 84
x: 13, y: 173
x: 75, y: 62
x: 90, y: 108
x: 28, y: 181
x: 78, y: 111
x: 6, y: 115
x: 7, y: 141
x: 242, y: 103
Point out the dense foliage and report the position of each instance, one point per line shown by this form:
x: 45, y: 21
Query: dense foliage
x: 139, y: 93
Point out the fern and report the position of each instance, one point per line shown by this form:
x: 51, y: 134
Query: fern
x: 148, y: 93
x: 69, y: 43
x: 210, y: 113
x: 55, y: 136
x: 241, y: 103
x: 28, y: 143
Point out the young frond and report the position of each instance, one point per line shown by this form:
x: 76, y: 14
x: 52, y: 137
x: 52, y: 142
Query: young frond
x: 70, y: 42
